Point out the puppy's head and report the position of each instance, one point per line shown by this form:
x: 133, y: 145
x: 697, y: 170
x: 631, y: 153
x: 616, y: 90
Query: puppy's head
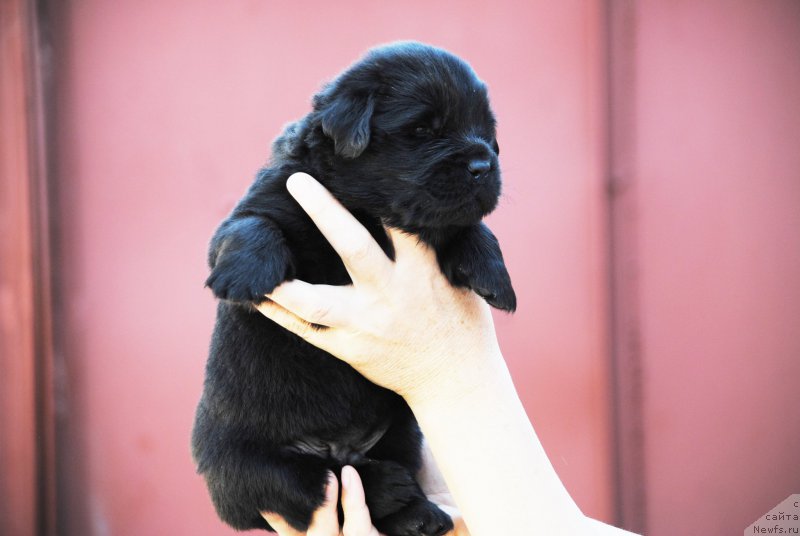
x: 411, y: 138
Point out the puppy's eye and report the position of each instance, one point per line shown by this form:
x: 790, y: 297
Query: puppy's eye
x: 423, y: 130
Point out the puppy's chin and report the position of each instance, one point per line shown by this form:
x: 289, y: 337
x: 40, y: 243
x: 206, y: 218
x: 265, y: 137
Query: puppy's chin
x: 428, y: 212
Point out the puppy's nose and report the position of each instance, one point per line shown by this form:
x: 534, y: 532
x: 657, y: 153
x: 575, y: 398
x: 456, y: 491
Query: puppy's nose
x: 478, y: 168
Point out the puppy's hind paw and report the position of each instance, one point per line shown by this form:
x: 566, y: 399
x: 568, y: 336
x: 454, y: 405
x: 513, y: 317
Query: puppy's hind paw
x: 419, y: 518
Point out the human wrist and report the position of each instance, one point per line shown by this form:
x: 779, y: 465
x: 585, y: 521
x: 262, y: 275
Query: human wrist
x: 465, y: 379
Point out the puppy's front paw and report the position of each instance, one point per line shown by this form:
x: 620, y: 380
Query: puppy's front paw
x: 490, y: 282
x: 419, y: 518
x: 245, y: 276
x: 474, y: 260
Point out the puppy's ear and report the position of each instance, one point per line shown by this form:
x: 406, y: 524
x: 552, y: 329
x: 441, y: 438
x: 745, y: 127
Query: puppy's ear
x: 345, y: 118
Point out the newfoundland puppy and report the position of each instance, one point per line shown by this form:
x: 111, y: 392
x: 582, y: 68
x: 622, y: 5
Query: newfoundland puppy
x: 403, y: 138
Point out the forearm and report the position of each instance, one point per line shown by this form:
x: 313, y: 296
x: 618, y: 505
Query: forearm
x: 491, y: 457
x: 492, y: 460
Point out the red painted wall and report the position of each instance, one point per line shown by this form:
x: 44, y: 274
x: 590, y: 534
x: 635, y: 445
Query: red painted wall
x: 717, y: 165
x: 18, y: 462
x: 164, y: 112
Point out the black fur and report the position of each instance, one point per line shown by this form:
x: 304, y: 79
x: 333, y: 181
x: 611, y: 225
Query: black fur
x: 403, y: 138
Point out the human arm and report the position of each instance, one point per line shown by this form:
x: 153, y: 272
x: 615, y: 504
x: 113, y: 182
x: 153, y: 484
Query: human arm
x: 403, y: 326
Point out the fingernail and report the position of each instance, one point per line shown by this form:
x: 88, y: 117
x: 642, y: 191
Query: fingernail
x: 299, y: 182
x: 347, y: 476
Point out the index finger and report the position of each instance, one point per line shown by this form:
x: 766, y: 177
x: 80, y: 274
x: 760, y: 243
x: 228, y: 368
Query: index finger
x: 362, y: 256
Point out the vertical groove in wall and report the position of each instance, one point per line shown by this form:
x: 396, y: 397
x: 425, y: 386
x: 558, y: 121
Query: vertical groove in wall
x: 38, y: 68
x: 626, y: 348
x: 26, y: 416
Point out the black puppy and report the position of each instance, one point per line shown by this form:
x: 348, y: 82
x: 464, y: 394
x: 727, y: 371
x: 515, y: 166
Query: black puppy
x: 403, y: 138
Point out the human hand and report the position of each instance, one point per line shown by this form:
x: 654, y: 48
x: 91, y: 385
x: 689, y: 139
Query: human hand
x: 400, y: 324
x: 326, y: 519
x: 357, y: 521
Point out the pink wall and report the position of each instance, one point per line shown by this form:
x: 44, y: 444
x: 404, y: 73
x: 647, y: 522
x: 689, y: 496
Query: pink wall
x: 18, y: 462
x: 166, y: 109
x: 718, y: 174
x: 164, y: 112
